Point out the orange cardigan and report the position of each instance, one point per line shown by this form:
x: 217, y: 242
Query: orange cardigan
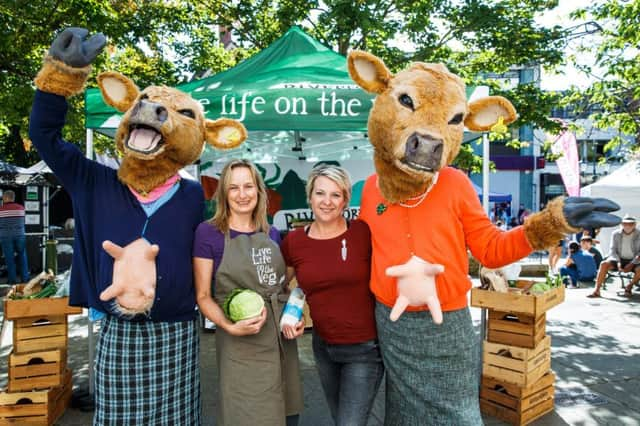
x: 438, y: 230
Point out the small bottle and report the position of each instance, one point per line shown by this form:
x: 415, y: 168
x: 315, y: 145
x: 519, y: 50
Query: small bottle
x: 292, y: 311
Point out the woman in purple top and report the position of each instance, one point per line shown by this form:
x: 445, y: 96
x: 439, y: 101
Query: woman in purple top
x: 238, y: 249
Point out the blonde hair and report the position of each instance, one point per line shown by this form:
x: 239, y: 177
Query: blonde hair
x: 9, y: 196
x: 336, y: 174
x: 259, y: 216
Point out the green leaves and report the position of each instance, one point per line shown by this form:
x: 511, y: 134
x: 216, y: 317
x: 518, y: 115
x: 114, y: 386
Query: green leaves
x: 167, y: 42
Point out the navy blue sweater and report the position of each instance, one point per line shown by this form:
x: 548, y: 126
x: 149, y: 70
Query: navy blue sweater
x: 105, y: 209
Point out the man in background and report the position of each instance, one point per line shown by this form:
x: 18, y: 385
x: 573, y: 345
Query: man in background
x: 12, y: 237
x: 624, y: 254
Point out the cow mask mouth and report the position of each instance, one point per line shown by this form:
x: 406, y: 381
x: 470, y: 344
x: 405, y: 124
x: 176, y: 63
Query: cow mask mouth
x: 144, y: 139
x: 417, y: 166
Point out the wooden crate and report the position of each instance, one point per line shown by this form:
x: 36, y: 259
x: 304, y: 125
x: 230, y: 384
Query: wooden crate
x: 29, y: 308
x: 39, y: 333
x: 36, y: 370
x: 517, y: 303
x: 36, y: 407
x: 514, y: 404
x: 513, y: 364
x: 515, y: 329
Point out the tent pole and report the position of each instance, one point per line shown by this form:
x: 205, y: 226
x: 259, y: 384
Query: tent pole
x: 45, y: 223
x: 89, y: 155
x: 485, y: 172
x: 485, y: 206
x: 89, y: 149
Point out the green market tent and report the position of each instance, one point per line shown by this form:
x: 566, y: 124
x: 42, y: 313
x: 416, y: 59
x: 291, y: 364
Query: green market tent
x: 295, y: 97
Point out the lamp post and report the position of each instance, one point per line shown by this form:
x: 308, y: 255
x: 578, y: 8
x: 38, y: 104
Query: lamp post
x: 594, y: 145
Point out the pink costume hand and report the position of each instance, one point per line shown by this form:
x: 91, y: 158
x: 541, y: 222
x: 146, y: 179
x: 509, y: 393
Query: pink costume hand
x: 134, y: 276
x: 416, y: 287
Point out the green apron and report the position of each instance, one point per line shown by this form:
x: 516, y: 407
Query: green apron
x: 259, y: 374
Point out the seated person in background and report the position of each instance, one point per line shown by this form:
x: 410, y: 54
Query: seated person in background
x: 623, y: 255
x: 580, y: 265
x: 586, y: 244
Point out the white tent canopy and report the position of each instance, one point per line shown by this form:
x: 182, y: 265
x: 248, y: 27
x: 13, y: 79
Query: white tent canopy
x: 621, y: 186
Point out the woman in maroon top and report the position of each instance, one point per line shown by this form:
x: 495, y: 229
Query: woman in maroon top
x: 331, y: 259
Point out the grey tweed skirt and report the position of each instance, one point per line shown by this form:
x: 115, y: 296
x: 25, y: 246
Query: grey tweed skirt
x: 432, y: 370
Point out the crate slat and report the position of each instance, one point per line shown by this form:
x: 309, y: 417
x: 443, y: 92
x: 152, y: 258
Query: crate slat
x: 43, y: 344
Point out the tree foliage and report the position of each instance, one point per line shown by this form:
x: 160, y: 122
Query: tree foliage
x: 143, y: 44
x: 616, y: 68
x: 162, y: 42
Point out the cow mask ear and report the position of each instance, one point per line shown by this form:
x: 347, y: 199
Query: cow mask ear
x: 117, y: 90
x: 484, y: 113
x: 368, y: 71
x: 225, y: 133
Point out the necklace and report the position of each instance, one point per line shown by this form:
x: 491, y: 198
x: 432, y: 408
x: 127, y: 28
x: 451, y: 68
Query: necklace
x: 382, y: 207
x: 420, y: 198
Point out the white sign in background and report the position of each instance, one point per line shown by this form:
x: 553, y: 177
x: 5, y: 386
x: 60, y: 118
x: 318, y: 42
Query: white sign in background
x: 32, y: 206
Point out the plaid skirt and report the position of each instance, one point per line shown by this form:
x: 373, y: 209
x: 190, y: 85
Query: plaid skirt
x: 147, y: 373
x: 432, y: 370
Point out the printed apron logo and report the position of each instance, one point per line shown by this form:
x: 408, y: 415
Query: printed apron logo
x: 261, y: 258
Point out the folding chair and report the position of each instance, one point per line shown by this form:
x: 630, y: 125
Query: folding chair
x: 624, y: 277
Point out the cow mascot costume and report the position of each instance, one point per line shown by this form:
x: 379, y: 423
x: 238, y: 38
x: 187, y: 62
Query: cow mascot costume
x: 134, y: 232
x: 423, y: 216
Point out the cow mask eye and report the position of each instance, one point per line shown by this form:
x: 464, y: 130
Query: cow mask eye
x: 187, y: 113
x: 406, y: 101
x: 457, y: 119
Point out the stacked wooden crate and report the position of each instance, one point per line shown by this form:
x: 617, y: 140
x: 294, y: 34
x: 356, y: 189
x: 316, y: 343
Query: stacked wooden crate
x: 39, y: 388
x: 517, y: 382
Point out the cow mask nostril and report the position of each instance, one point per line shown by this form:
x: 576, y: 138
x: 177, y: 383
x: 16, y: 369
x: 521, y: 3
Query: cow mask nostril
x: 162, y: 113
x: 415, y: 143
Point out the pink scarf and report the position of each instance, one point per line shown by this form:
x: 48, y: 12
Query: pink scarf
x: 155, y: 192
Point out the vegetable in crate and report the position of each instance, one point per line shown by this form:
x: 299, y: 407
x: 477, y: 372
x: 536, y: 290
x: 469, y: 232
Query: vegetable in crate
x: 242, y: 304
x: 36, y: 283
x: 539, y: 288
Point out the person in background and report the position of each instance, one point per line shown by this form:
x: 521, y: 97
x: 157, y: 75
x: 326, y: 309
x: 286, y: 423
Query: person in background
x: 12, y: 237
x: 586, y: 243
x: 623, y: 255
x: 523, y: 216
x: 521, y: 210
x: 580, y: 265
x: 591, y: 232
x: 331, y: 259
x: 259, y: 379
x: 555, y: 253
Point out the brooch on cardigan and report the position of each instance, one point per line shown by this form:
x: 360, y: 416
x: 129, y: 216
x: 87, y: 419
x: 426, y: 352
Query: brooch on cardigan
x: 381, y: 208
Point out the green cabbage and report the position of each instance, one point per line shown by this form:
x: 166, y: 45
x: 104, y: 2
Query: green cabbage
x: 242, y: 304
x: 539, y: 288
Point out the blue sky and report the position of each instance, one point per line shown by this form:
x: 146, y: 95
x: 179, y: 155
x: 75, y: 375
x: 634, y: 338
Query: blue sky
x: 567, y: 75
